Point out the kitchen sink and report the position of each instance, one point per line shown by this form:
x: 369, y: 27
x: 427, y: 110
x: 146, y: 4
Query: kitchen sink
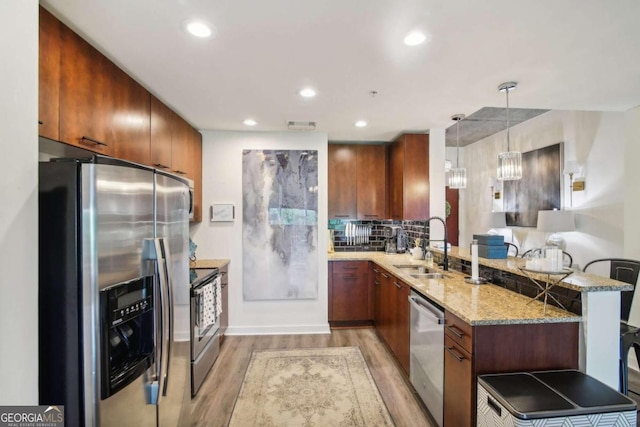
x: 421, y: 272
x: 429, y: 275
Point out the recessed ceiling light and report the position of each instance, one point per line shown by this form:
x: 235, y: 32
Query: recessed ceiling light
x: 250, y: 122
x: 361, y: 123
x: 198, y: 28
x: 414, y: 38
x: 307, y: 92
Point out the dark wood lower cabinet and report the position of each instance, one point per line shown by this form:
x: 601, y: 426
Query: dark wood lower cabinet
x: 350, y: 292
x: 392, y: 316
x: 475, y: 350
x: 458, y: 395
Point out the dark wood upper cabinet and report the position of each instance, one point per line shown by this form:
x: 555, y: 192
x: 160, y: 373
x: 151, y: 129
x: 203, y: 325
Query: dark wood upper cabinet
x: 357, y: 181
x: 371, y: 181
x: 342, y: 181
x: 86, y: 96
x: 49, y: 76
x: 162, y: 118
x: 131, y: 118
x: 409, y: 177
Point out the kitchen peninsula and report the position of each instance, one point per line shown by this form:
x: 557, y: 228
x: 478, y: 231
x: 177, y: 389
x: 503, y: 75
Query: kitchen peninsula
x: 491, y: 329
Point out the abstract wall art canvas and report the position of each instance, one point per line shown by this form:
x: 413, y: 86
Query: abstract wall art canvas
x: 539, y: 189
x: 280, y: 224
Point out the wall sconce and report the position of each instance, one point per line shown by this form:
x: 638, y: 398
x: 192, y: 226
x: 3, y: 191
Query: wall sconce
x: 573, y: 168
x: 495, y: 189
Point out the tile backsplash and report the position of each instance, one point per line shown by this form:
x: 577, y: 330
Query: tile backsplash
x: 375, y: 241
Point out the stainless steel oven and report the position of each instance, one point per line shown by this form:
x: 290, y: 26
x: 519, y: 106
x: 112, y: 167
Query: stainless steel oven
x: 206, y: 308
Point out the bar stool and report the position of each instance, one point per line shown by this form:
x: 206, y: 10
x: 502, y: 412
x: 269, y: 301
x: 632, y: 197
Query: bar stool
x: 624, y: 270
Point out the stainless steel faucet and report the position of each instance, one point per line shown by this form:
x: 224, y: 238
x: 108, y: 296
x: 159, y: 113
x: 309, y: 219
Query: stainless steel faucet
x: 445, y: 267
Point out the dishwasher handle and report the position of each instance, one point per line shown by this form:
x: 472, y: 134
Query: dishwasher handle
x: 427, y: 309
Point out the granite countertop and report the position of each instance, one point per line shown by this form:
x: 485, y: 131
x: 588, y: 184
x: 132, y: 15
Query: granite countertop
x: 578, y: 280
x: 475, y: 304
x: 208, y: 263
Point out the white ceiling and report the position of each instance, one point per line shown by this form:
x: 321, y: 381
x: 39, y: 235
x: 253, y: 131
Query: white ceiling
x: 565, y: 54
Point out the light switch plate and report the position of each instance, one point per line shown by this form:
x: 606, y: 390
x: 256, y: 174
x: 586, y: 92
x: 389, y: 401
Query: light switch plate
x: 223, y: 212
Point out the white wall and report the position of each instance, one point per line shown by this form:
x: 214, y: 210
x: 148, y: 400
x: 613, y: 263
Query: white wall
x: 19, y: 211
x: 631, y: 198
x: 437, y: 181
x: 222, y: 183
x: 595, y: 140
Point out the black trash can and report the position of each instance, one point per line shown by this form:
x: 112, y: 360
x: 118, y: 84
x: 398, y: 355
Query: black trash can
x: 550, y: 398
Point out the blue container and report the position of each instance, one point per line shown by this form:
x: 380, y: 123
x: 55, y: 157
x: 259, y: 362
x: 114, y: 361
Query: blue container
x: 494, y: 252
x: 489, y: 239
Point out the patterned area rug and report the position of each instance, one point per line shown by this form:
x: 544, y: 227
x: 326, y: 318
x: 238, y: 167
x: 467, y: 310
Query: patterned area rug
x: 315, y: 387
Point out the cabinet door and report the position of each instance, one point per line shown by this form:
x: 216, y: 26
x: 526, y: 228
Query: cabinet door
x: 186, y: 158
x: 224, y: 317
x: 409, y: 177
x: 342, y: 181
x: 396, y: 174
x: 377, y: 291
x: 131, y: 118
x: 458, y: 385
x: 371, y: 168
x: 194, y: 171
x: 161, y: 134
x: 49, y: 76
x: 350, y: 291
x: 416, y: 177
x: 402, y: 324
x: 86, y: 97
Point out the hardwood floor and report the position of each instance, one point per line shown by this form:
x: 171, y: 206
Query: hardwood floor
x: 214, y: 402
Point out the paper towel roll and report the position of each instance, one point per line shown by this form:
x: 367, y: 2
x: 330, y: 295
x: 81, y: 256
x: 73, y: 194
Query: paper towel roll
x: 474, y: 260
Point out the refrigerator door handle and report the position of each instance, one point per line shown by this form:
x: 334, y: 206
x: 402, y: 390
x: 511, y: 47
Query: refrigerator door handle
x: 153, y: 250
x: 168, y: 310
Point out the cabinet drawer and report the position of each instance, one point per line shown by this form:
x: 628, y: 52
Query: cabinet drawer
x: 350, y: 268
x: 460, y: 331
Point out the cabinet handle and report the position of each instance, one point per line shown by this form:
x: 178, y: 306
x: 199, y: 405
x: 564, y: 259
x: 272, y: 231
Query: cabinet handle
x: 455, y: 354
x: 224, y: 285
x: 376, y: 271
x: 180, y: 172
x: 384, y: 275
x: 93, y: 141
x: 342, y: 216
x: 376, y: 282
x: 160, y: 165
x: 456, y: 331
x: 40, y: 122
x: 371, y: 215
x: 397, y: 285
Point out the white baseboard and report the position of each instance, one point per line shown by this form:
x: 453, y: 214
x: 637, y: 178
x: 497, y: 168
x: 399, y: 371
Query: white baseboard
x: 279, y: 330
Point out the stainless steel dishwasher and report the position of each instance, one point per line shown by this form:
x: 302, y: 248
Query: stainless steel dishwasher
x: 426, y: 370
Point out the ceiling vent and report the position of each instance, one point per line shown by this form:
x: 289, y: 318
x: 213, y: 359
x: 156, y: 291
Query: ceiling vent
x: 296, y: 125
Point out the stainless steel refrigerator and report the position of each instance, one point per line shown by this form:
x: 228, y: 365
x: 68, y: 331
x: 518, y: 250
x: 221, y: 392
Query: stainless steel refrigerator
x: 113, y: 260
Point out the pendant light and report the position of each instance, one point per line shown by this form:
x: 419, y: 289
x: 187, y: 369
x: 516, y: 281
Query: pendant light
x: 457, y: 175
x: 509, y: 162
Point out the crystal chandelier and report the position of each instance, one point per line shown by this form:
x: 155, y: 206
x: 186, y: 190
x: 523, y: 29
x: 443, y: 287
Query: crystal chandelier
x: 509, y: 162
x: 457, y: 175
